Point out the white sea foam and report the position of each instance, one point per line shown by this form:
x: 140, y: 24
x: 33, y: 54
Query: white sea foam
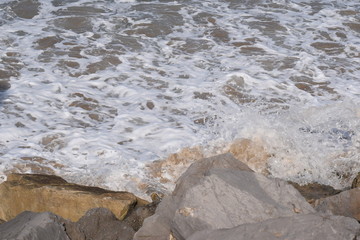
x: 103, y: 88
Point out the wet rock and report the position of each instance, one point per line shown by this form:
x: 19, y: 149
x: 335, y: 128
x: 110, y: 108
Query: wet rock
x: 252, y: 153
x: 176, y: 164
x: 252, y: 51
x: 38, y: 193
x: 150, y: 105
x: 353, y: 26
x: 356, y: 182
x: 75, y: 24
x: 106, y: 62
x: 26, y: 8
x: 221, y: 192
x: 31, y: 225
x: 4, y: 85
x: 328, y: 47
x: 300, y: 227
x: 99, y: 224
x: 346, y: 203
x: 19, y: 125
x: 47, y: 42
x: 53, y: 142
x: 78, y: 10
x: 220, y: 35
x: 313, y: 191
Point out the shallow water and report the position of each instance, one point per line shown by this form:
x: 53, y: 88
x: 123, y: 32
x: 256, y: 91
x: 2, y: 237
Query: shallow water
x: 100, y: 89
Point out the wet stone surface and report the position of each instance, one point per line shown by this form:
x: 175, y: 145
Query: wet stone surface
x: 4, y: 85
x: 26, y: 8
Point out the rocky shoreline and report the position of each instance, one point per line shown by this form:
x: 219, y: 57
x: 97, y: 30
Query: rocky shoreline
x: 216, y: 198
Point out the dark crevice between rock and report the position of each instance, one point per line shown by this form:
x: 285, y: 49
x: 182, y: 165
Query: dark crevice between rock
x: 314, y: 191
x: 137, y: 215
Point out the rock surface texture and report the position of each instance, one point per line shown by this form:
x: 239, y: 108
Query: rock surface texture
x: 356, y: 182
x: 34, y: 226
x: 216, y: 198
x: 346, y: 203
x: 221, y: 192
x: 42, y: 193
x: 313, y: 191
x: 299, y: 227
x: 99, y: 224
x: 96, y: 224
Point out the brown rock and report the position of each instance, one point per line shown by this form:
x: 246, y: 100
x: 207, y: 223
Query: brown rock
x: 346, y: 203
x: 47, y: 42
x: 175, y: 164
x: 356, y: 182
x: 328, y: 47
x: 150, y: 105
x: 39, y: 193
x: 252, y: 153
x: 354, y: 26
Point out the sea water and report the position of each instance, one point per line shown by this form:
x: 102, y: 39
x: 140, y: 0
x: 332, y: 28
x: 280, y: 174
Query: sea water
x: 100, y: 89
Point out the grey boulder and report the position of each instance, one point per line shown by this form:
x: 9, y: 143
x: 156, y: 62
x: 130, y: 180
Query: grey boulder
x: 221, y: 192
x: 99, y: 224
x: 299, y: 227
x: 34, y: 226
x: 346, y: 203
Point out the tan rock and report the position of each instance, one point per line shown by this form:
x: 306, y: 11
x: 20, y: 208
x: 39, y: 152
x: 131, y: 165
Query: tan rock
x: 175, y: 164
x: 251, y: 152
x: 39, y: 193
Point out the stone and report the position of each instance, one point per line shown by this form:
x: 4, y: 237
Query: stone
x: 150, y: 105
x: 99, y: 224
x: 252, y: 153
x: 356, y: 182
x: 33, y: 226
x: 137, y: 216
x: 329, y: 47
x: 77, y: 24
x: 313, y: 191
x: 4, y: 85
x: 176, y: 164
x: 26, y: 9
x: 346, y: 203
x: 221, y: 192
x: 298, y: 227
x: 157, y: 227
x: 39, y: 193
